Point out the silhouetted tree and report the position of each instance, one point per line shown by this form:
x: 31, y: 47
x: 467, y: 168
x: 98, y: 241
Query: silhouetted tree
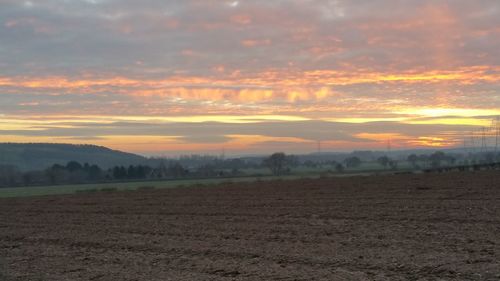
x: 384, y: 161
x: 276, y: 163
x: 34, y: 178
x: 177, y: 171
x: 413, y: 159
x: 393, y: 164
x: 489, y: 157
x: 450, y: 160
x: 310, y: 164
x: 73, y: 166
x: 423, y: 158
x: 352, y: 162
x: 436, y: 158
x: 57, y: 174
x: 206, y: 171
x: 10, y: 176
x: 131, y: 172
x: 142, y: 171
x: 119, y: 173
x: 339, y: 168
x: 292, y: 161
x: 94, y: 173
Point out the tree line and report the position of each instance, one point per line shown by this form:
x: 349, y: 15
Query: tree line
x: 211, y: 167
x: 76, y: 173
x: 280, y: 163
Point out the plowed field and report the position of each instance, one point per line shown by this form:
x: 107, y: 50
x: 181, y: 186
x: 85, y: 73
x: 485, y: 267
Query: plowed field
x: 403, y: 227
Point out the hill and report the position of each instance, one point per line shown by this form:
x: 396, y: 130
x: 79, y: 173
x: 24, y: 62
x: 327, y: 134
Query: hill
x: 32, y: 156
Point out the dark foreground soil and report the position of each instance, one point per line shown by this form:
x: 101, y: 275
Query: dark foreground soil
x: 404, y: 227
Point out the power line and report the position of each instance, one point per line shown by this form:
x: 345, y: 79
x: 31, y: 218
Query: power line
x: 483, y: 140
x: 223, y: 154
x: 473, y: 143
x: 465, y: 142
x: 497, y: 133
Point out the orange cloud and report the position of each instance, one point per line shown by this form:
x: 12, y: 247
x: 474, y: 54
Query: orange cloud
x: 403, y: 141
x: 464, y: 75
x: 242, y: 95
x: 254, y: 43
x: 382, y: 137
x: 432, y: 142
x: 241, y: 19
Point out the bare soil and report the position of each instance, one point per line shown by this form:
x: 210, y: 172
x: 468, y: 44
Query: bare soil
x: 403, y: 227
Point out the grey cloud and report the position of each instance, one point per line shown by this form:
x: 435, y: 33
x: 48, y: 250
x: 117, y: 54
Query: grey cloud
x: 110, y: 36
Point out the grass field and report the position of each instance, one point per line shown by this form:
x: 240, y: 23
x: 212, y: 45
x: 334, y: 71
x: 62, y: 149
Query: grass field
x: 124, y: 186
x: 250, y: 175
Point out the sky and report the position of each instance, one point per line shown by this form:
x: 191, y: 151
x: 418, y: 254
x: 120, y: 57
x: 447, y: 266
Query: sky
x: 172, y: 77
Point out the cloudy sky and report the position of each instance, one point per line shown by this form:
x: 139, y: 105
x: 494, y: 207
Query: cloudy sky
x: 248, y: 76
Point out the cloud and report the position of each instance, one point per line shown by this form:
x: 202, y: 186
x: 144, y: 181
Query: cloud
x: 239, y: 136
x: 345, y: 62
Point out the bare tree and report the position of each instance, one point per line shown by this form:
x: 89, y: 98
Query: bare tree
x: 352, y: 162
x: 339, y: 168
x: 276, y: 162
x: 384, y: 161
x: 413, y: 159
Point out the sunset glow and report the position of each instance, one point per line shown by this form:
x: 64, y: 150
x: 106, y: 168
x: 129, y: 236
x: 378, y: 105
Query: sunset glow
x: 179, y: 77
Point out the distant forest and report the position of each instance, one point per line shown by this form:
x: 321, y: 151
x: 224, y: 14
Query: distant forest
x: 33, y: 156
